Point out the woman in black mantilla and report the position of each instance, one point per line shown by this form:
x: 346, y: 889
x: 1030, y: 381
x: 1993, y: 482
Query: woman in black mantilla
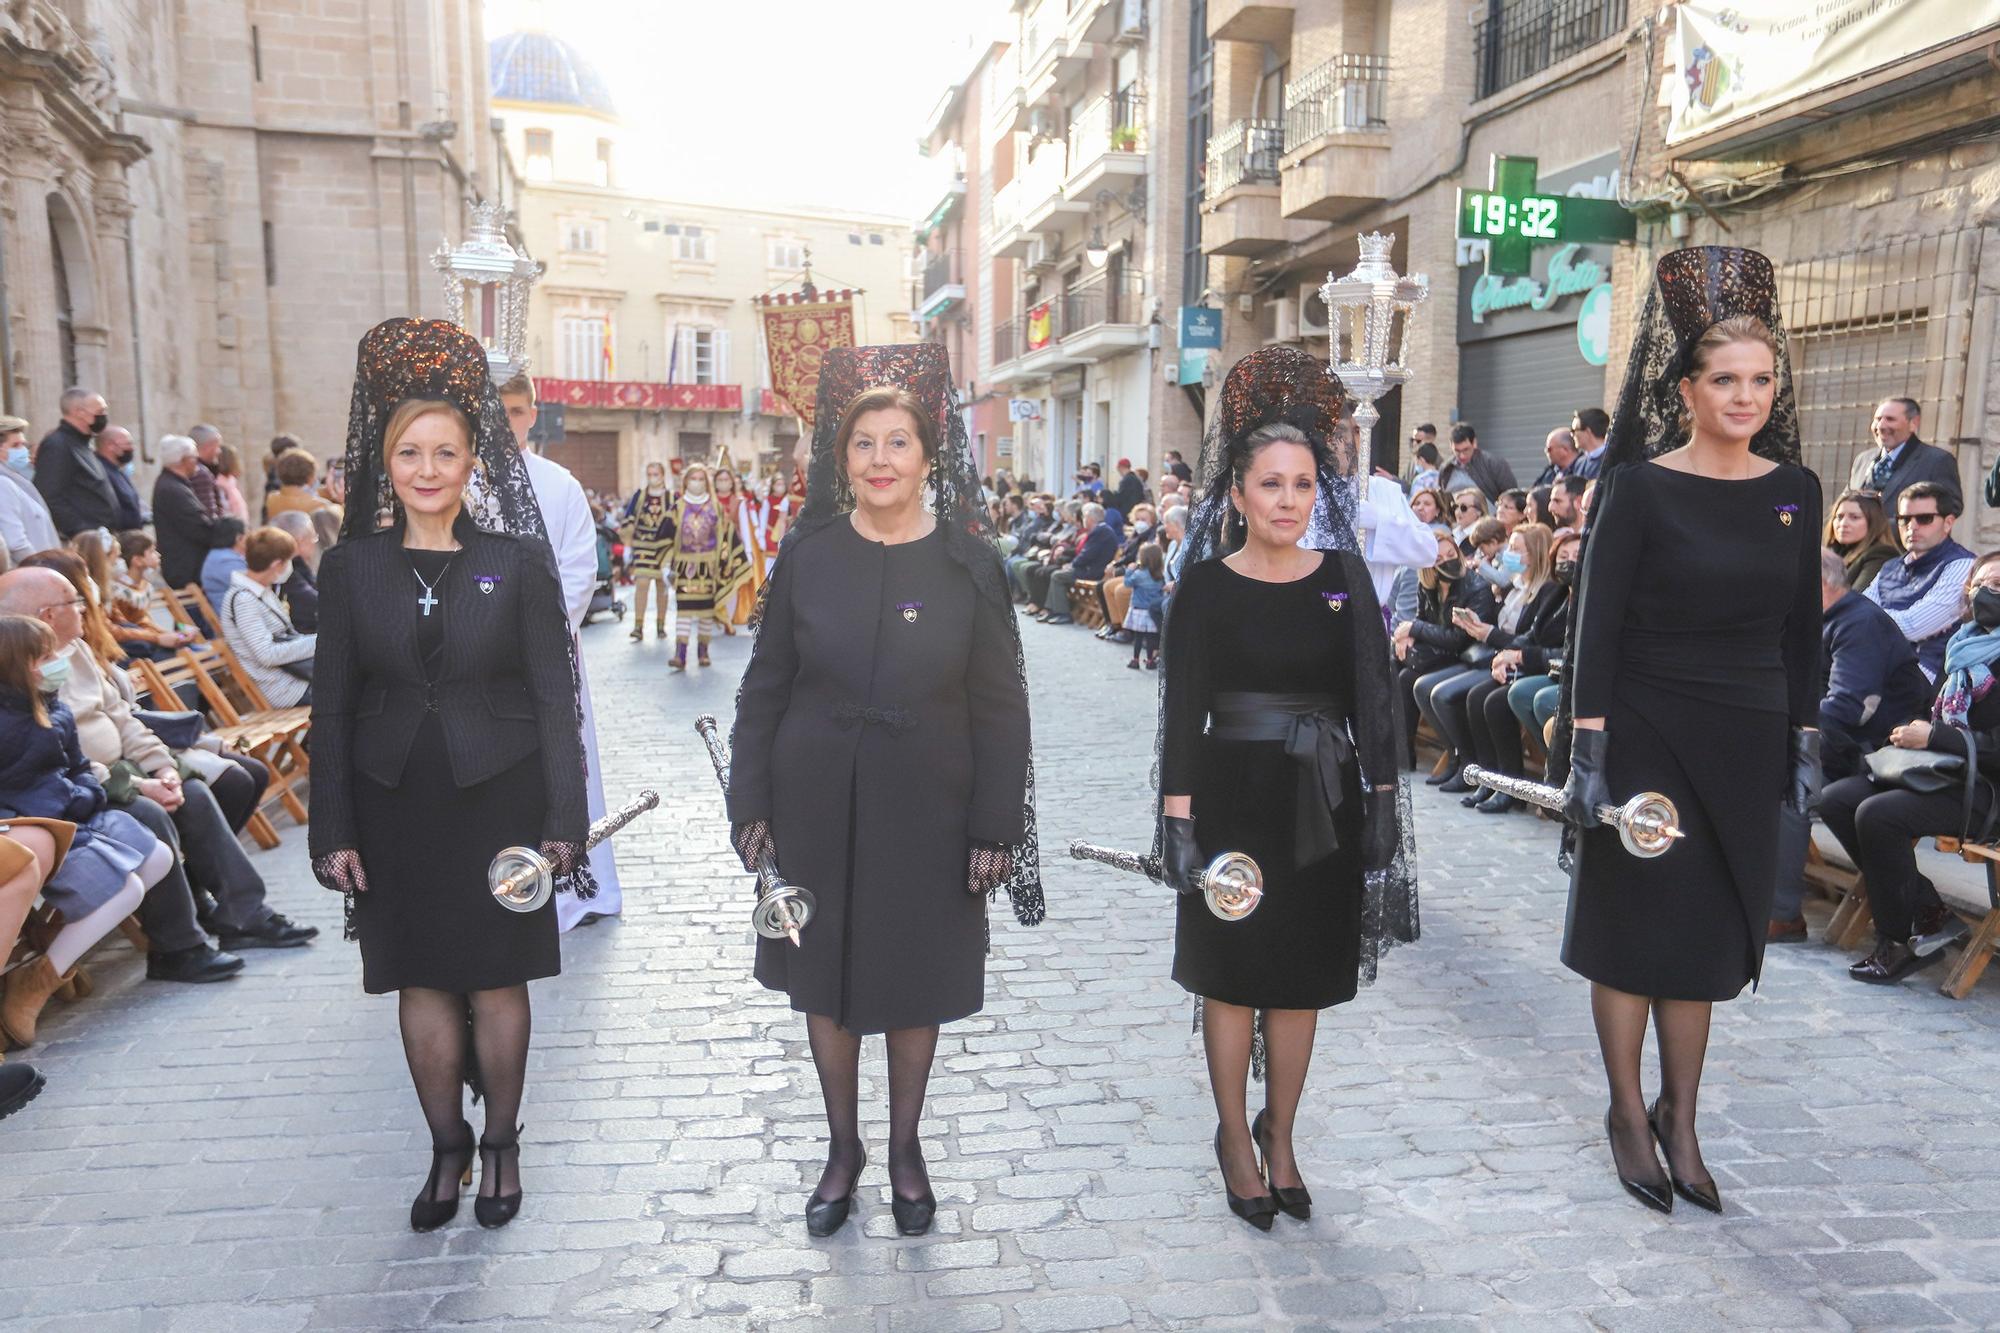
x: 1279, y: 739
x: 881, y: 746
x: 1696, y: 648
x: 445, y: 728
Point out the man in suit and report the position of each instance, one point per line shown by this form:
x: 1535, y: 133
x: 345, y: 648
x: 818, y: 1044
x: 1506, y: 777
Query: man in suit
x: 1093, y: 554
x: 1560, y: 450
x: 1899, y: 458
x: 1588, y: 426
x: 68, y: 472
x: 1469, y: 466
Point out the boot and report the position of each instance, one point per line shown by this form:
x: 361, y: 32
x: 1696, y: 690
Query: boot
x: 680, y: 660
x: 28, y: 989
x: 701, y: 658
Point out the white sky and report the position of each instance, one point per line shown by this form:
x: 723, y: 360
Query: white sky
x: 765, y: 102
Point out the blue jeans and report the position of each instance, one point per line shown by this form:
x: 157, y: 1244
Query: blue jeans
x: 1521, y: 697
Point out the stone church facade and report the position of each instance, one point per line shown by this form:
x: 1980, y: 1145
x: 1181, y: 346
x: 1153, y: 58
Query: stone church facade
x: 205, y: 203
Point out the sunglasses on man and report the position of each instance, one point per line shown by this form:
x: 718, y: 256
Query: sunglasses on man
x: 1917, y: 520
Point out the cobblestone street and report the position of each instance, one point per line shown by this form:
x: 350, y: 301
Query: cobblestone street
x: 243, y: 1155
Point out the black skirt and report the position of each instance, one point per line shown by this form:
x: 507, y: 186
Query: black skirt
x: 428, y: 918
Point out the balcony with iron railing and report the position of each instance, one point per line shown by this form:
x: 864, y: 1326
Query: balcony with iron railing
x: 943, y: 283
x: 1107, y: 138
x: 1240, y: 214
x: 1102, y: 316
x: 1524, y: 38
x: 1336, y: 137
x: 1006, y: 348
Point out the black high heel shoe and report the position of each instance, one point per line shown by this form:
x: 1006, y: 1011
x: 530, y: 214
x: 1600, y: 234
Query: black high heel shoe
x: 497, y: 1210
x: 427, y: 1211
x: 913, y: 1216
x: 1259, y: 1212
x: 826, y: 1216
x: 1700, y: 1195
x: 1655, y: 1198
x: 1295, y: 1202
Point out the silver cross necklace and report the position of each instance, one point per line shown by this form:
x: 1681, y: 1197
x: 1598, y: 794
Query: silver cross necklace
x: 430, y: 597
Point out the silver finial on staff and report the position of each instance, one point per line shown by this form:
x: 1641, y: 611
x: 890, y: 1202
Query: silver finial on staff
x: 1647, y: 824
x: 1232, y: 883
x: 782, y: 910
x: 521, y: 877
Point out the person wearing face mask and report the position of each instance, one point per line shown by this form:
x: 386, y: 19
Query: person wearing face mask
x: 1112, y: 598
x: 1427, y: 647
x: 1532, y: 691
x: 647, y: 532
x: 1534, y: 617
x: 115, y: 450
x: 1878, y: 822
x: 25, y: 524
x: 71, y: 476
x: 708, y: 561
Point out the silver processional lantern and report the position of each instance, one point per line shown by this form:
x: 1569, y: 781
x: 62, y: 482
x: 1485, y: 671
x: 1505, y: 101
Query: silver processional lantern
x: 1368, y: 323
x: 486, y: 282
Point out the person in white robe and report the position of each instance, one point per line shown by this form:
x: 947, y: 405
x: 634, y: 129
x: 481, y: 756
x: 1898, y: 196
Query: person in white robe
x: 573, y: 535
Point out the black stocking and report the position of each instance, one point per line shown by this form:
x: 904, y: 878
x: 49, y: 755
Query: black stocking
x: 911, y: 1051
x: 501, y: 1023
x: 1225, y: 1036
x: 836, y: 1055
x: 1621, y: 1036
x: 433, y: 1023
x: 1288, y: 1049
x: 1682, y: 1026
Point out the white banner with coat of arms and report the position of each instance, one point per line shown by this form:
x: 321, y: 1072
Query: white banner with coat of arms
x: 1736, y: 60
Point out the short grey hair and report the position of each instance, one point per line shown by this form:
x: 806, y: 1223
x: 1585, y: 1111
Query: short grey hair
x: 203, y: 433
x: 76, y: 396
x: 1832, y: 569
x: 175, y: 450
x: 1176, y: 516
x: 1093, y: 513
x: 294, y: 522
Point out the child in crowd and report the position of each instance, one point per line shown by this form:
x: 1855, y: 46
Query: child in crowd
x: 132, y: 601
x: 1146, y: 581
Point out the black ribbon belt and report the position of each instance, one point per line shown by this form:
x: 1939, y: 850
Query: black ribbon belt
x: 854, y: 715
x: 1314, y: 733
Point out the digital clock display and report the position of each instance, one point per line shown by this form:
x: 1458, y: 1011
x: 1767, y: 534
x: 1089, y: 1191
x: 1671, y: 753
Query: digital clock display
x: 1533, y: 217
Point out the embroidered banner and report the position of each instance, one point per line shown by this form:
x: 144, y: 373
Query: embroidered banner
x: 797, y: 334
x: 641, y: 395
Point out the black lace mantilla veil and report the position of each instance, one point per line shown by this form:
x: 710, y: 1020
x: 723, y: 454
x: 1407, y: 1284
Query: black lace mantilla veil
x: 400, y: 359
x: 1693, y: 290
x: 1285, y: 384
x: 955, y: 498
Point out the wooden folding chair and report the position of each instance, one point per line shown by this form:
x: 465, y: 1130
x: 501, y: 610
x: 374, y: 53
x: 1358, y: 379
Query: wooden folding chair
x: 161, y: 681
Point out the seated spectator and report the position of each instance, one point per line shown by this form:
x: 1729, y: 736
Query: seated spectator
x: 1511, y: 508
x: 1173, y: 539
x: 1534, y: 616
x: 1538, y: 507
x: 1429, y: 505
x: 229, y: 484
x: 223, y: 561
x: 1921, y: 591
x: 326, y: 531
x: 300, y: 590
x: 275, y: 655
x: 1030, y: 569
x: 1112, y: 599
x: 1859, y: 532
x: 1873, y: 683
x: 1432, y: 641
x: 29, y: 854
x: 1468, y: 506
x: 1878, y: 825
x: 1146, y: 583
x: 1583, y: 504
x: 1094, y: 550
x: 1488, y: 539
x: 134, y: 602
x: 1534, y: 693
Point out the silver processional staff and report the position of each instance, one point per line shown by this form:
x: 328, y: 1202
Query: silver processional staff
x: 1232, y: 883
x: 782, y: 910
x: 521, y: 877
x: 1647, y: 824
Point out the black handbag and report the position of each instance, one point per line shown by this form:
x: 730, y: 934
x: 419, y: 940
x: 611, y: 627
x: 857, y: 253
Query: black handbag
x: 176, y: 730
x: 1922, y: 771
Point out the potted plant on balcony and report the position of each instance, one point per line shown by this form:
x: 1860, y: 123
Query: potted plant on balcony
x: 1125, y: 139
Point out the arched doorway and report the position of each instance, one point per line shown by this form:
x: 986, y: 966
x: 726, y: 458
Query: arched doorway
x: 70, y: 269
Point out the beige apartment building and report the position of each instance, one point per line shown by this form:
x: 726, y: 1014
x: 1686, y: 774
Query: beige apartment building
x: 203, y: 205
x: 642, y: 331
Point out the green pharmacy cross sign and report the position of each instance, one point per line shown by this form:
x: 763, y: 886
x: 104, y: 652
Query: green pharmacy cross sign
x: 1513, y: 219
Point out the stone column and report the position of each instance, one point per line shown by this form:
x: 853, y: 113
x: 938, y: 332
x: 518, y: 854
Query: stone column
x: 111, y: 210
x: 31, y: 291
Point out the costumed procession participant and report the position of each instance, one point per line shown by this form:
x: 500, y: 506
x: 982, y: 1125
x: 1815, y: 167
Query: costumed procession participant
x: 1392, y: 537
x: 445, y: 728
x: 780, y: 508
x: 644, y: 528
x: 738, y: 501
x: 1693, y: 673
x: 572, y: 535
x: 881, y: 749
x: 1278, y: 739
x: 708, y: 561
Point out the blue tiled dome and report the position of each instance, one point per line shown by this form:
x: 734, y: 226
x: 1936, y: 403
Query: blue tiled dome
x: 538, y: 67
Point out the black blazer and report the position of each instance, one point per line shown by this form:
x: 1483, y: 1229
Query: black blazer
x: 504, y: 688
x: 1544, y: 621
x: 75, y: 482
x: 184, y: 529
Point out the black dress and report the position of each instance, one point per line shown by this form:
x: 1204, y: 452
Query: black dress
x: 881, y: 728
x: 1698, y: 641
x: 1228, y: 632
x: 440, y: 740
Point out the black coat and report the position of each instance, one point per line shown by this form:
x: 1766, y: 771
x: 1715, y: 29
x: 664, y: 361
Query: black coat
x: 75, y: 482
x: 881, y: 728
x: 183, y: 528
x: 301, y: 594
x: 1130, y: 492
x: 129, y: 514
x: 1873, y: 683
x: 504, y: 688
x: 43, y: 771
x: 1540, y: 631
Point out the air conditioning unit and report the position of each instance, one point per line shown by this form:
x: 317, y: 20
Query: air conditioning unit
x: 1043, y: 250
x: 1311, y: 312
x: 1284, y: 319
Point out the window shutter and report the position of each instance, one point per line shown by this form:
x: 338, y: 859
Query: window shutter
x: 722, y: 356
x: 686, y: 373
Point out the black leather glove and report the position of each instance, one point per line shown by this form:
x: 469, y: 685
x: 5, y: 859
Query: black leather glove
x: 987, y: 865
x: 1381, y: 835
x: 1802, y: 790
x: 1587, y: 788
x: 340, y: 871
x: 752, y: 841
x: 1180, y: 859
x: 563, y: 857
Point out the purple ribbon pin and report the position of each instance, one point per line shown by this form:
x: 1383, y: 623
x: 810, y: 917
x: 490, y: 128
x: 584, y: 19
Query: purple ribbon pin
x: 1785, y: 513
x: 909, y: 610
x: 1335, y: 601
x: 487, y: 582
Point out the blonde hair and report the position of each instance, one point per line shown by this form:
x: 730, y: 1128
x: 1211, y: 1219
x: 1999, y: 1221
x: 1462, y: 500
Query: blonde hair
x: 1538, y: 545
x: 1735, y: 329
x: 412, y: 410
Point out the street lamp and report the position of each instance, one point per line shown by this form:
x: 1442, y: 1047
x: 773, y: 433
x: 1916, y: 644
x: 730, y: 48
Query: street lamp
x: 1368, y: 322
x: 486, y: 282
